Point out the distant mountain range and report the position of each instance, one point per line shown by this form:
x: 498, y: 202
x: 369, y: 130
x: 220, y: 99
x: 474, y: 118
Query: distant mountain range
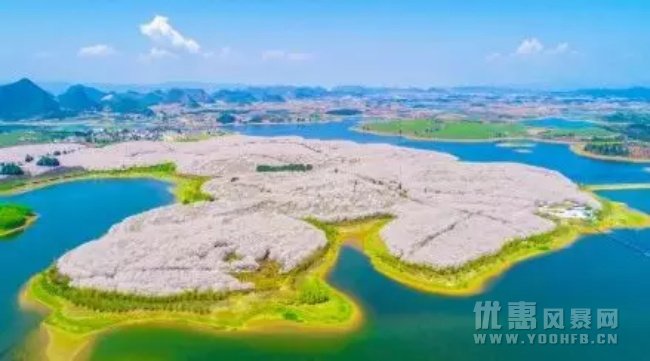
x: 80, y: 98
x: 24, y: 99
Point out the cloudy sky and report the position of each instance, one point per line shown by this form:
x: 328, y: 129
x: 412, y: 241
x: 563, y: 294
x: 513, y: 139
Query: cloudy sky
x: 545, y: 43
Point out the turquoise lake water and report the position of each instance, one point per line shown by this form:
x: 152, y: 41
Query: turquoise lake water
x: 552, y: 156
x: 69, y: 215
x: 600, y: 271
x: 403, y: 324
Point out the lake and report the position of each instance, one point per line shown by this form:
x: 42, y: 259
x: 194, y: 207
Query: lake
x: 69, y: 214
x: 600, y: 271
x: 403, y: 324
x: 553, y: 156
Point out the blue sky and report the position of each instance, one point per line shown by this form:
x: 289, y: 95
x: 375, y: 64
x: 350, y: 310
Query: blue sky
x: 392, y: 43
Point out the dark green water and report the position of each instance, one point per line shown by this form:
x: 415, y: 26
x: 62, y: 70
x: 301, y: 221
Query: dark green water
x: 69, y: 215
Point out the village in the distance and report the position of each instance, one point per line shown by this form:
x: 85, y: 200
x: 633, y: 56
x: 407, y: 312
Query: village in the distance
x: 605, y: 122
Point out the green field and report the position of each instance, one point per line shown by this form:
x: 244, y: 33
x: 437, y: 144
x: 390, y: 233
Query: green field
x: 13, y: 217
x: 458, y: 130
x: 19, y: 137
x: 582, y: 133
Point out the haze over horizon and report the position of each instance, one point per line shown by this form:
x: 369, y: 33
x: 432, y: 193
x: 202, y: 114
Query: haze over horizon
x: 602, y: 43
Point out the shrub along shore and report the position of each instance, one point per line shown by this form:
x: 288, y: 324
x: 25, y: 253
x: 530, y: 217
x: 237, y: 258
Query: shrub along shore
x: 300, y: 299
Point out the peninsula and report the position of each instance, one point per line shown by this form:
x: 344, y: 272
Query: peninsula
x: 14, y: 218
x: 594, y: 140
x: 277, y: 212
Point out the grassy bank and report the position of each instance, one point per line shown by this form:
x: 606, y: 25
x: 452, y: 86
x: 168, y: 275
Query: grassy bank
x: 579, y: 148
x: 440, y: 130
x: 476, y: 131
x: 299, y: 300
x: 471, y: 278
x: 14, y: 218
x: 281, y: 302
x: 187, y: 187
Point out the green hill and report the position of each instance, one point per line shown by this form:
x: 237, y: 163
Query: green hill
x: 130, y: 102
x: 25, y: 100
x: 79, y: 98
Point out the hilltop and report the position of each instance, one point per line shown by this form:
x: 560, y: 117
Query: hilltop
x: 24, y: 100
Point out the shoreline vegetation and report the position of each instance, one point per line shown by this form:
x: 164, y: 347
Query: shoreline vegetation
x: 297, y: 301
x: 432, y: 129
x: 579, y: 149
x: 472, y: 277
x: 15, y: 218
x: 480, y: 132
x: 281, y: 302
x: 187, y: 188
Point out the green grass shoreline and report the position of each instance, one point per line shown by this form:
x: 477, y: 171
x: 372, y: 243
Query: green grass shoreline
x: 472, y: 277
x: 15, y: 218
x: 579, y: 149
x: 301, y: 300
x: 187, y: 188
x: 461, y: 131
x: 478, y: 132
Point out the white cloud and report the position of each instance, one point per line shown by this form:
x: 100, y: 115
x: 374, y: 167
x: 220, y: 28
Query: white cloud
x: 282, y: 55
x: 97, y: 50
x: 530, y: 46
x: 155, y: 54
x: 162, y: 33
